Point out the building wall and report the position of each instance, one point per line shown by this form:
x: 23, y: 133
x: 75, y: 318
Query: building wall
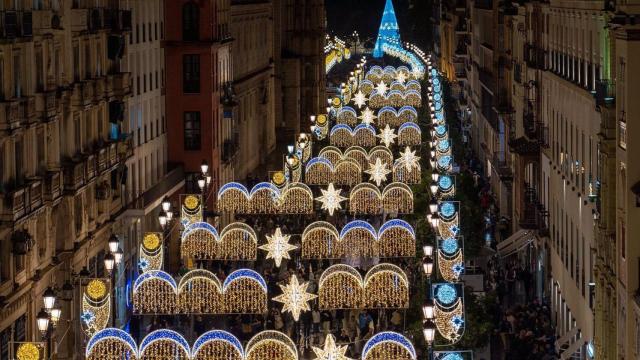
x: 62, y: 153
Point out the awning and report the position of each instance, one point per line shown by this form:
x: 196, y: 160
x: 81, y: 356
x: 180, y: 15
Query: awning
x: 515, y: 242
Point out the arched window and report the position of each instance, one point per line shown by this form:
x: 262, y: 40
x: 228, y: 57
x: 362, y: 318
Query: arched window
x: 190, y: 21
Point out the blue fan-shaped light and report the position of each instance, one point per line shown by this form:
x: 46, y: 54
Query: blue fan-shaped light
x: 452, y: 356
x: 446, y: 294
x: 449, y: 246
x: 447, y: 209
x: 445, y: 182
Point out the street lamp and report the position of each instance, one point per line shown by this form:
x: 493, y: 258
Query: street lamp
x: 113, y: 243
x: 109, y: 262
x: 433, y: 152
x: 56, y: 313
x: 204, y: 167
x: 166, y: 204
x: 162, y: 218
x: 427, y: 309
x: 42, y: 321
x: 433, y: 205
x: 433, y: 187
x: 432, y: 162
x: 427, y: 266
x: 435, y: 176
x: 49, y: 298
x: 117, y: 256
x: 429, y: 332
x: 427, y: 250
x: 435, y: 220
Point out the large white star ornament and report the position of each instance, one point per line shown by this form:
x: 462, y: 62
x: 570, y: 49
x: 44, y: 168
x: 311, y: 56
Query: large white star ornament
x: 331, y: 351
x: 409, y: 159
x: 382, y: 88
x: 387, y: 136
x: 360, y: 99
x: 378, y: 172
x: 368, y: 116
x: 331, y: 199
x: 278, y: 247
x: 295, y: 298
x: 401, y: 77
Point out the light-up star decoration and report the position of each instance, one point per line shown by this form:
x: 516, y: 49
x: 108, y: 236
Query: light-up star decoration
x: 401, y: 77
x: 382, y: 88
x: 278, y: 247
x: 409, y: 159
x: 360, y: 99
x: 331, y: 199
x: 378, y: 172
x: 295, y: 298
x: 331, y: 351
x: 387, y: 136
x: 368, y: 116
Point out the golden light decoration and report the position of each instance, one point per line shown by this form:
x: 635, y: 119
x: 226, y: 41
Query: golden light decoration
x: 382, y: 88
x: 409, y: 159
x: 191, y: 202
x: 450, y: 266
x: 191, y: 210
x: 378, y: 172
x: 409, y: 134
x: 331, y: 199
x: 387, y: 136
x: 331, y: 351
x: 278, y: 247
x: 96, y: 289
x: 271, y: 345
x: 388, y: 345
x: 382, y: 153
x: 237, y: 241
x: 28, y: 351
x: 450, y: 321
x: 151, y: 255
x: 368, y: 116
x: 295, y: 298
x: 151, y: 241
x: 360, y: 99
x: 342, y: 135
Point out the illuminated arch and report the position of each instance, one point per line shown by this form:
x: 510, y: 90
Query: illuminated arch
x: 340, y: 287
x: 271, y: 344
x: 263, y: 198
x: 365, y: 198
x: 341, y: 135
x: 358, y: 238
x: 245, y: 292
x: 409, y: 134
x: 395, y: 98
x: 155, y: 292
x: 347, y: 172
x: 358, y: 154
x: 111, y: 344
x: 297, y: 198
x: 396, y: 238
x: 377, y: 100
x: 200, y: 241
x: 238, y: 241
x: 347, y: 115
x: 386, y: 286
x: 364, y: 135
x: 217, y: 345
x: 412, y: 98
x: 402, y: 174
x: 387, y: 115
x: 233, y: 197
x: 164, y: 341
x: 366, y: 86
x: 397, y: 197
x: 413, y: 85
x: 319, y: 171
x: 383, y: 153
x: 200, y: 292
x: 407, y: 114
x: 388, y: 345
x: 320, y: 240
x: 331, y: 153
x: 396, y: 85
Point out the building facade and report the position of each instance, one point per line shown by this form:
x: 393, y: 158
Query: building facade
x: 63, y: 147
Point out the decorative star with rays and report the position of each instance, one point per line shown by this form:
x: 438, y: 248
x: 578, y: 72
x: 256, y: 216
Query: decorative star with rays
x: 360, y: 99
x: 331, y: 351
x: 378, y: 171
x: 331, y: 199
x: 387, y: 136
x: 295, y: 298
x: 409, y: 159
x: 278, y: 247
x: 368, y: 116
x: 401, y: 77
x: 382, y: 88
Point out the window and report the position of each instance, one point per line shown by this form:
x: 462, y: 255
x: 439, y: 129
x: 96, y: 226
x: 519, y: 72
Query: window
x: 17, y: 77
x: 190, y: 22
x: 191, y: 73
x: 192, y: 130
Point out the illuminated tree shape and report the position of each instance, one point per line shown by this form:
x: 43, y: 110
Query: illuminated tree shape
x: 389, y: 30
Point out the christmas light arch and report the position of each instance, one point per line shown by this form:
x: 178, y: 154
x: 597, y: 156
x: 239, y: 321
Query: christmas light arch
x: 388, y: 345
x: 217, y: 345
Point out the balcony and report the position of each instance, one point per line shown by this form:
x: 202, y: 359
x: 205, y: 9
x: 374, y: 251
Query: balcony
x: 119, y: 84
x: 486, y: 78
x: 52, y: 186
x: 605, y: 92
x: 74, y: 175
x: 533, y: 215
x: 46, y: 105
x: 103, y: 159
x: 82, y: 93
x: 87, y: 20
x: 534, y: 57
x: 502, y: 165
x: 15, y: 25
x: 45, y: 21
x: 529, y: 124
x: 90, y: 167
x: 22, y: 201
x: 15, y: 112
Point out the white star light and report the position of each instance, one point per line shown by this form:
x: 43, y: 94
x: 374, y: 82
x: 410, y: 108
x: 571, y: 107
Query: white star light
x: 331, y: 351
x: 368, y: 116
x: 409, y: 159
x: 278, y: 247
x: 401, y: 77
x: 331, y: 199
x: 378, y: 172
x: 360, y: 99
x: 387, y: 136
x: 382, y: 88
x: 295, y: 298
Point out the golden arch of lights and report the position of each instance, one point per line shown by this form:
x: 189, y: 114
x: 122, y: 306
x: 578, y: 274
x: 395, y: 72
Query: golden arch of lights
x: 344, y: 172
x: 201, y: 241
x: 200, y: 292
x: 343, y: 135
x: 395, y: 238
x: 395, y: 98
x: 265, y: 198
x: 96, y: 306
x: 390, y: 116
x: 116, y: 344
x: 347, y: 115
x: 342, y: 287
x: 366, y: 198
x: 359, y: 154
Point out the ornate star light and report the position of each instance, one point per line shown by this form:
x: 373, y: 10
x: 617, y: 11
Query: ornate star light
x: 368, y: 116
x: 387, y: 136
x: 409, y: 159
x: 278, y: 247
x: 378, y: 172
x: 295, y: 298
x: 401, y: 77
x: 360, y: 99
x: 331, y: 351
x: 382, y: 88
x: 331, y: 199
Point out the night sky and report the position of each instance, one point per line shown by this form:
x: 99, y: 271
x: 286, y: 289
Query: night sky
x: 345, y: 16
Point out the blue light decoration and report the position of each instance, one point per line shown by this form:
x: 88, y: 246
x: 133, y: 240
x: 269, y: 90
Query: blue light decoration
x: 386, y: 337
x: 200, y: 226
x: 443, y: 145
x: 446, y: 294
x: 265, y: 185
x: 247, y: 274
x: 357, y: 224
x: 447, y: 209
x: 164, y: 334
x: 444, y: 162
x: 233, y: 186
x: 457, y: 321
x: 155, y: 274
x: 455, y: 229
x: 316, y: 161
x: 445, y: 182
x: 111, y: 333
x: 216, y: 335
x: 449, y: 246
x: 441, y: 130
x: 451, y: 356
x: 389, y: 32
x: 396, y: 223
x: 87, y: 317
x: 458, y: 268
x: 434, y: 72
